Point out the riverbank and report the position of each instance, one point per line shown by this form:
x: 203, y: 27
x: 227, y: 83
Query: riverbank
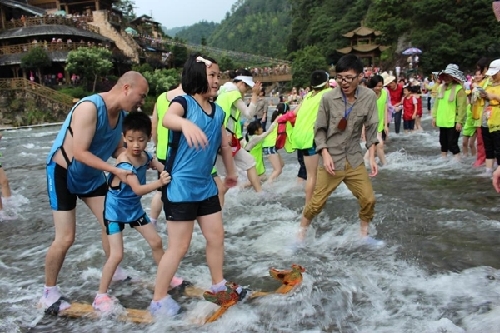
x: 10, y: 128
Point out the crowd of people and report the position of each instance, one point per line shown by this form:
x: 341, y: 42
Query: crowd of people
x: 201, y: 143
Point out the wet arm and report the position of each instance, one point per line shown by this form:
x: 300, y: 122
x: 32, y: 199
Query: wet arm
x: 247, y: 111
x: 371, y: 125
x: 141, y: 190
x: 227, y: 154
x: 461, y: 106
x: 83, y: 125
x: 173, y: 118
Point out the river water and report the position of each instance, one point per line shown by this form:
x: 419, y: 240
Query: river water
x: 438, y: 272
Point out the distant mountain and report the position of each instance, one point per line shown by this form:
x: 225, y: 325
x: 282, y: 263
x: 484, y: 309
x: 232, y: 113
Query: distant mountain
x: 196, y: 32
x: 256, y: 26
x: 174, y: 31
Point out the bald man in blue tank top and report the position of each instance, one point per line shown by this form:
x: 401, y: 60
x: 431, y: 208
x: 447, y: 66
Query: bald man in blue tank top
x: 91, y: 134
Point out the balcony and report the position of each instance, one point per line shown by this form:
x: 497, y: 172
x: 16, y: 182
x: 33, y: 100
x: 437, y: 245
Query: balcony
x: 49, y: 47
x: 80, y: 22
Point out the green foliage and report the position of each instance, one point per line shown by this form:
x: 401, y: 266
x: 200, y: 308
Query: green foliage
x: 161, y: 80
x: 256, y: 26
x: 90, y: 63
x: 142, y: 68
x: 197, y: 32
x: 127, y: 7
x: 36, y: 58
x: 75, y: 92
x: 225, y: 63
x: 306, y: 61
x: 180, y: 55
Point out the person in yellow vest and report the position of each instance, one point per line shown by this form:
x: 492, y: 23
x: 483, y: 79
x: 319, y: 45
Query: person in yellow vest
x: 160, y: 141
x: 491, y: 115
x: 450, y: 109
x: 230, y: 99
x: 377, y: 84
x: 303, y: 131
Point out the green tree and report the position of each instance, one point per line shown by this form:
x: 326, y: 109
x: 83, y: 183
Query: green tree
x: 36, y: 58
x: 127, y: 7
x: 306, y: 61
x: 226, y: 63
x: 90, y: 63
x: 161, y: 80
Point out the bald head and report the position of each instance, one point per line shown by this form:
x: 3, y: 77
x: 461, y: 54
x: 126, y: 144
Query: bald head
x: 132, y: 88
x: 130, y: 78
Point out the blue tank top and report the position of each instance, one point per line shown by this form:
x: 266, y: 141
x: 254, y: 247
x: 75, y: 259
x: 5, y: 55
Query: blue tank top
x: 191, y: 168
x: 83, y: 179
x: 122, y: 204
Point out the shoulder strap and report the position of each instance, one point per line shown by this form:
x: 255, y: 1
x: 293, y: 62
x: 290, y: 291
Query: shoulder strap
x: 173, y: 144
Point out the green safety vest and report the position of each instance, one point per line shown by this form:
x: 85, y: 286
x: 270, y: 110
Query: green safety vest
x: 270, y: 139
x: 303, y: 131
x: 226, y: 101
x: 446, y: 112
x: 256, y: 152
x: 162, y: 104
x: 381, y: 103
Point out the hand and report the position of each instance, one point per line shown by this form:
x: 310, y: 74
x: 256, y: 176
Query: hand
x: 122, y: 174
x: 231, y: 181
x: 483, y: 95
x: 328, y: 162
x: 496, y: 180
x: 165, y: 178
x: 194, y: 135
x: 257, y: 87
x: 414, y: 116
x: 153, y: 164
x: 373, y: 167
x: 433, y: 122
x: 458, y: 127
x: 386, y: 130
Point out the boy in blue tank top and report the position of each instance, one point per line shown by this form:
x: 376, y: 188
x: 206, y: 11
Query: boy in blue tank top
x: 123, y: 206
x: 196, y: 130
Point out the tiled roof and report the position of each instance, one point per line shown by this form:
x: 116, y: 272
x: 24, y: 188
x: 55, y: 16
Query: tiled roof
x: 49, y: 30
x: 362, y: 31
x: 23, y: 6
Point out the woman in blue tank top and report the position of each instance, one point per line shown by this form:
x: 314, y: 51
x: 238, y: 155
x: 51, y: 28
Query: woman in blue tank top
x: 196, y: 130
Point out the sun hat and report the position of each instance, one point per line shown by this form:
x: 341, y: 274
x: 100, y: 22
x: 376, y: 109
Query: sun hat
x: 247, y: 79
x: 453, y: 71
x: 493, y: 68
x: 387, y: 78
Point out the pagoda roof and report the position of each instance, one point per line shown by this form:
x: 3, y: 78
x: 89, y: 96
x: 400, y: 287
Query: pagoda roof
x: 15, y: 59
x: 362, y: 48
x: 362, y: 32
x: 51, y: 30
x: 23, y: 6
x: 143, y: 19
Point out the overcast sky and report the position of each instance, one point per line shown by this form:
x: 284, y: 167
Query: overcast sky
x: 178, y: 13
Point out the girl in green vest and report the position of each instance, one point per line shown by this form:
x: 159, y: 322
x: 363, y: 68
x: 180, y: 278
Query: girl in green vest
x: 376, y: 83
x: 303, y: 131
x: 255, y: 137
x: 230, y: 99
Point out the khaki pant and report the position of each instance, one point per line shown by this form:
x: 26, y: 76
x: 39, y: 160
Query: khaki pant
x: 357, y: 182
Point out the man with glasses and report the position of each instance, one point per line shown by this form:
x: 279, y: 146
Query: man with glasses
x: 341, y: 116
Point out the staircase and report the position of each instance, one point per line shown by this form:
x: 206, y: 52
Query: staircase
x: 49, y: 94
x: 127, y: 45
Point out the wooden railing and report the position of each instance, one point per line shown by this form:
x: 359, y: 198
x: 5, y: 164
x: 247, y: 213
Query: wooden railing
x: 49, y: 47
x: 48, y: 93
x: 77, y: 22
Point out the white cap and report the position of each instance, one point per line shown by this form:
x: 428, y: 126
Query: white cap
x: 494, y: 68
x: 247, y: 79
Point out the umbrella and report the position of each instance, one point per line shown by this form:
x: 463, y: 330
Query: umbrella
x: 60, y: 13
x: 131, y: 31
x: 412, y: 50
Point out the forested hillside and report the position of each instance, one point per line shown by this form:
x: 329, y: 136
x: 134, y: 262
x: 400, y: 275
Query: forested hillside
x: 255, y: 26
x: 197, y: 33
x: 458, y: 31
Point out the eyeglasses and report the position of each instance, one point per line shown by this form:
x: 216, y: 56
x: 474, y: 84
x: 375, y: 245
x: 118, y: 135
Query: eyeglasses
x: 346, y: 79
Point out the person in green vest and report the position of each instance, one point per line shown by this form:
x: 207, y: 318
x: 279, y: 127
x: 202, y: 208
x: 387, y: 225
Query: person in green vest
x: 255, y: 137
x: 303, y: 130
x: 450, y: 109
x: 160, y: 141
x: 376, y: 84
x: 230, y: 99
